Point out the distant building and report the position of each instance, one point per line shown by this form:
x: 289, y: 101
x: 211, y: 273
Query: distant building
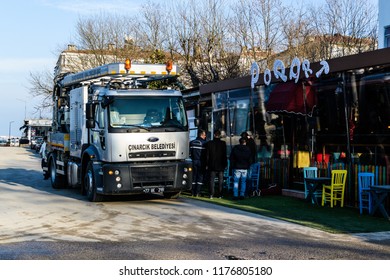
x: 384, y: 24
x: 74, y: 60
x: 313, y: 48
x: 35, y: 128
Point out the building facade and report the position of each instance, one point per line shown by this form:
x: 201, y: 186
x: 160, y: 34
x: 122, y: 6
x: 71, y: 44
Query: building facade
x: 337, y: 119
x: 384, y: 24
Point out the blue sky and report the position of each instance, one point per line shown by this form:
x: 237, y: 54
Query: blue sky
x: 32, y: 32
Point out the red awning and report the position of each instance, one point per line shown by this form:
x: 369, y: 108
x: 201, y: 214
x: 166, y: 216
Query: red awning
x: 288, y: 98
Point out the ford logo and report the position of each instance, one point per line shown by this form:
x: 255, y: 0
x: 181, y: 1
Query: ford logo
x: 153, y: 139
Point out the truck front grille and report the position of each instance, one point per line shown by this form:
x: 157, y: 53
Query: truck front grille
x: 153, y: 174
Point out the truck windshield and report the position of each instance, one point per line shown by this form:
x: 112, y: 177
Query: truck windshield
x: 150, y: 112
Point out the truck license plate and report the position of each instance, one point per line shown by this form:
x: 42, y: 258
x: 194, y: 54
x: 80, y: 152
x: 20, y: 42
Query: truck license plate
x: 156, y: 190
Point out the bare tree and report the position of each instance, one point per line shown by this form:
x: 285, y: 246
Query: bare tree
x: 214, y: 40
x: 184, y: 37
x: 345, y: 27
x: 41, y: 86
x: 203, y: 42
x: 296, y: 30
x: 256, y: 27
x: 102, y: 38
x: 152, y: 30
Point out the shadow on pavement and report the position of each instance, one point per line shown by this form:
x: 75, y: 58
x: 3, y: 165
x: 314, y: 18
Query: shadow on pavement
x: 34, y: 179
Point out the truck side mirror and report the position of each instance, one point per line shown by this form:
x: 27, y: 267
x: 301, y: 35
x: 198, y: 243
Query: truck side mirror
x: 196, y: 122
x: 90, y: 115
x: 90, y: 111
x: 90, y: 123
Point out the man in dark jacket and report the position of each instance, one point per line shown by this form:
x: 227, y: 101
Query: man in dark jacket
x: 240, y: 159
x: 198, y: 156
x: 216, y: 162
x: 251, y: 144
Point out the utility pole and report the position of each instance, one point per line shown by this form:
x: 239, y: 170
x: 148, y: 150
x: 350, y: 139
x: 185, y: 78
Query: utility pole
x: 9, y: 132
x: 25, y: 107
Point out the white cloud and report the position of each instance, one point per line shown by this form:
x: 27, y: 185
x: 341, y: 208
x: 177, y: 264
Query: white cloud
x: 93, y: 6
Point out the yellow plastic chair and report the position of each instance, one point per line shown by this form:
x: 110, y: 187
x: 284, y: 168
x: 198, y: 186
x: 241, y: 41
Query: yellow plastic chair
x: 335, y: 192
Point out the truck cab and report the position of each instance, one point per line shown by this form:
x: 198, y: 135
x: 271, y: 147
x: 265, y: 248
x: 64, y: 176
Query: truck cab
x: 115, y: 138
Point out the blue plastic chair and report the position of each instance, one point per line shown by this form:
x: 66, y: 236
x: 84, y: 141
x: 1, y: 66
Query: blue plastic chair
x: 365, y: 180
x: 227, y: 178
x: 311, y: 172
x: 254, y: 179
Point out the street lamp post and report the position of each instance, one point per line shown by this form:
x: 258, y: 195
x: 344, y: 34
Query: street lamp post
x: 25, y: 107
x: 9, y: 133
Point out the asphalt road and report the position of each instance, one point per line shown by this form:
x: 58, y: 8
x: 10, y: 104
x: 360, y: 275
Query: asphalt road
x: 40, y: 223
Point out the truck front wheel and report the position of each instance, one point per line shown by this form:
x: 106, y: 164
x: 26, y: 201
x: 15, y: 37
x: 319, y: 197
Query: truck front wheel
x: 90, y: 185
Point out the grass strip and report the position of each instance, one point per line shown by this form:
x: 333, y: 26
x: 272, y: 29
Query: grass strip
x: 295, y: 210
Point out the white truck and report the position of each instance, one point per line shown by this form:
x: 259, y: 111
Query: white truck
x: 111, y: 135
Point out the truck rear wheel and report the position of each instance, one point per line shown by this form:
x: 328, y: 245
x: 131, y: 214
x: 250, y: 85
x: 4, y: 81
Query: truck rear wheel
x: 90, y: 185
x: 57, y: 180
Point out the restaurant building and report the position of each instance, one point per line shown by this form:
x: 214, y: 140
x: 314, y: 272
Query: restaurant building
x: 332, y: 114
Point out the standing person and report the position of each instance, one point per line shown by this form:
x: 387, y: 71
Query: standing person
x: 250, y: 142
x: 240, y: 159
x: 42, y: 153
x: 216, y: 162
x: 198, y: 156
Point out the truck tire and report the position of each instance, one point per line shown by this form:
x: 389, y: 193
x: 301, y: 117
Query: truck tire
x: 90, y: 186
x: 57, y: 180
x: 171, y: 195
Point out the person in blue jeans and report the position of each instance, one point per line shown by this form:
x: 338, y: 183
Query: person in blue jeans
x: 240, y: 159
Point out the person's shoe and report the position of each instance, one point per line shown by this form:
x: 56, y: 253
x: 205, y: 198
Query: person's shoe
x: 241, y: 197
x: 235, y: 198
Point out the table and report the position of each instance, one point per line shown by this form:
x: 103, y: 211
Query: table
x: 378, y: 194
x: 312, y: 184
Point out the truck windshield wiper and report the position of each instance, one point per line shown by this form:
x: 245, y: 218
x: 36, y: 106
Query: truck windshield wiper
x: 172, y: 123
x: 173, y: 126
x: 136, y: 126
